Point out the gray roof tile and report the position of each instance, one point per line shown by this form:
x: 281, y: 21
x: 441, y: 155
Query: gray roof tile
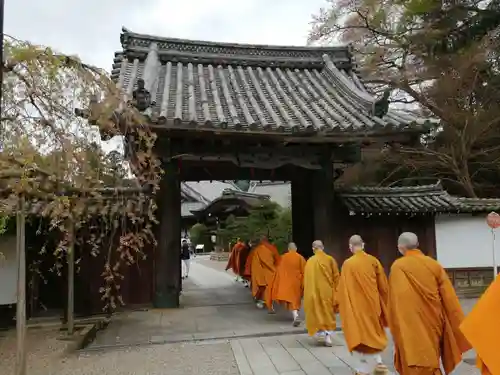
x: 249, y: 87
x: 412, y: 200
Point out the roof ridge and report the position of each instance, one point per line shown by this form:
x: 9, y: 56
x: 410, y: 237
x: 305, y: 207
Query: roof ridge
x: 126, y: 33
x: 242, y: 193
x: 136, y: 45
x: 468, y: 199
x: 437, y: 188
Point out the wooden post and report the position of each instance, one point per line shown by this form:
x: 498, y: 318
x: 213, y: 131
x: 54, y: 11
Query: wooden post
x: 325, y: 224
x: 168, y: 250
x: 21, y: 289
x: 71, y: 276
x: 302, y: 213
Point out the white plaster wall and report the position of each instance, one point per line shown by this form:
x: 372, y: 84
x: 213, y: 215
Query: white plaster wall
x: 8, y: 270
x: 464, y: 241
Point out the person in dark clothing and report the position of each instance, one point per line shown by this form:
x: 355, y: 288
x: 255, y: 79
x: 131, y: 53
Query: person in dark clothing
x: 243, y: 260
x: 186, y: 258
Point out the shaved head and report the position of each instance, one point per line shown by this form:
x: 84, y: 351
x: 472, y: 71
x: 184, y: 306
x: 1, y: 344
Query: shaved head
x: 407, y: 241
x: 356, y: 240
x: 292, y: 246
x: 318, y: 245
x: 356, y: 243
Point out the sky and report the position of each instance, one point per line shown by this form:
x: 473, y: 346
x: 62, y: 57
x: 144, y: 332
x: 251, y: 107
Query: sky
x: 92, y: 29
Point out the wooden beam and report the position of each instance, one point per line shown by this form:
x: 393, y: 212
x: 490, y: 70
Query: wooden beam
x: 219, y: 171
x: 172, y: 129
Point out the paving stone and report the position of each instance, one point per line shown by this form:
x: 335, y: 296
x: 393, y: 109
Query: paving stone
x: 280, y: 357
x: 340, y: 370
x: 326, y: 357
x: 259, y: 361
x: 241, y: 358
x: 315, y: 368
x: 297, y: 350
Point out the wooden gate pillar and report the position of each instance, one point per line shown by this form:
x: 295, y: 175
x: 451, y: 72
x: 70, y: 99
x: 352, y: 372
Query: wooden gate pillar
x: 168, y: 236
x: 302, y: 212
x: 326, y: 225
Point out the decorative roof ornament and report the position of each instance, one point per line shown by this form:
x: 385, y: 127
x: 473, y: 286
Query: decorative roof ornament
x: 141, y: 99
x: 381, y: 106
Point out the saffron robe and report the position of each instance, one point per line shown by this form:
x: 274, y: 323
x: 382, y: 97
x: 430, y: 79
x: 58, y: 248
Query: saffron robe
x: 288, y: 281
x: 321, y: 278
x: 233, y: 262
x: 363, y: 293
x: 482, y: 328
x: 247, y: 272
x: 424, y: 316
x: 264, y: 260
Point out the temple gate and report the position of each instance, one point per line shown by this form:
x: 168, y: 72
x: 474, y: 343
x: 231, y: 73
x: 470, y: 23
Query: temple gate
x: 251, y: 112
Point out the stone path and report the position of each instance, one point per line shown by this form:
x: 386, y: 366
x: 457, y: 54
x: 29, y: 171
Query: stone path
x: 283, y: 355
x: 213, y: 306
x: 301, y: 355
x: 218, y: 330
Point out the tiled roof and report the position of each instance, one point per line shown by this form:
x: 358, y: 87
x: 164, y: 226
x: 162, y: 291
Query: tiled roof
x: 480, y: 204
x: 250, y: 87
x: 188, y: 207
x: 411, y: 200
x: 278, y: 191
x: 198, y: 195
x: 231, y: 200
x: 209, y: 190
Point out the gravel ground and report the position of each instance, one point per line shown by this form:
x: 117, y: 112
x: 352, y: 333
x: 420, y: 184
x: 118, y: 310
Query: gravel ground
x: 43, y: 348
x: 171, y: 359
x: 46, y: 357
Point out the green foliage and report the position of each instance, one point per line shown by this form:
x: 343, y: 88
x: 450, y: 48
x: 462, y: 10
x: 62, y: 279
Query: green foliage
x: 50, y: 155
x: 443, y: 58
x: 269, y: 219
x: 200, y: 235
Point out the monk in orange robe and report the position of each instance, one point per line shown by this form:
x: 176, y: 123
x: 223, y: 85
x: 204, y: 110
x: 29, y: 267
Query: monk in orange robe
x: 244, y: 253
x: 288, y: 283
x: 363, y: 293
x: 247, y: 272
x: 264, y: 259
x: 424, y: 313
x: 482, y: 329
x: 321, y: 278
x: 233, y: 262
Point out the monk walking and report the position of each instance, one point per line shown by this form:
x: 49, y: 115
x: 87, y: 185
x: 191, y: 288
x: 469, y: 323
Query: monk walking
x: 363, y: 293
x: 424, y: 313
x: 288, y: 282
x: 233, y: 262
x: 264, y: 259
x: 321, y: 277
x: 247, y: 272
x: 482, y: 329
x: 243, y: 256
